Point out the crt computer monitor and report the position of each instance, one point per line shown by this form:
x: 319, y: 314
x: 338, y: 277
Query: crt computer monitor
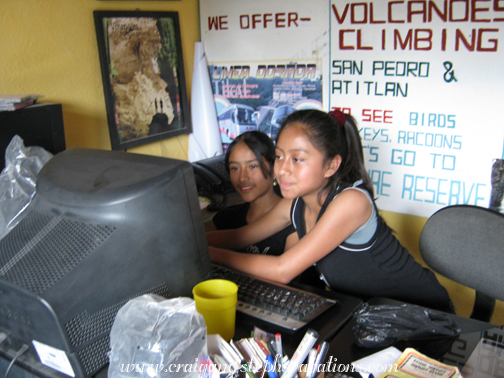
x: 105, y: 227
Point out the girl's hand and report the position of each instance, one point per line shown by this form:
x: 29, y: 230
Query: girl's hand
x: 245, y: 262
x: 274, y: 221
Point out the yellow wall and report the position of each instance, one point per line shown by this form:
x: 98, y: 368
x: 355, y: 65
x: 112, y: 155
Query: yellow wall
x: 49, y: 47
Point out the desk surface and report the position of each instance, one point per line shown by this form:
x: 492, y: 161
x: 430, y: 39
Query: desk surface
x: 328, y: 324
x: 336, y: 327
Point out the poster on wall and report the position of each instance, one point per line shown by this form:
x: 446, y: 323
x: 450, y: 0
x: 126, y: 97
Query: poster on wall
x: 421, y: 78
x: 263, y: 82
x: 259, y: 96
x: 143, y: 76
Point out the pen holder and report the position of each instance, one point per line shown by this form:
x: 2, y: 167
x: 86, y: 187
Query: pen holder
x: 216, y: 301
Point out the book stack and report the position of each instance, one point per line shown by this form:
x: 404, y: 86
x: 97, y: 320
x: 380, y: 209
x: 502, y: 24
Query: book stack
x: 15, y: 102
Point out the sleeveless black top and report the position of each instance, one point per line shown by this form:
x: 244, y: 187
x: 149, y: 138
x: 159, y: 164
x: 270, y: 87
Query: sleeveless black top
x: 381, y: 267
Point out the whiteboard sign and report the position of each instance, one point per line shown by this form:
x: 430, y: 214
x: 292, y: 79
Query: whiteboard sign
x: 422, y: 78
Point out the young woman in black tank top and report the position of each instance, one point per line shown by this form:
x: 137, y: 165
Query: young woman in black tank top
x: 319, y: 160
x: 249, y: 161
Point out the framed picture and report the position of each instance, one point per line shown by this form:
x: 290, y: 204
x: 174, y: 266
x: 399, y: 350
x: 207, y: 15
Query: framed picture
x: 143, y: 76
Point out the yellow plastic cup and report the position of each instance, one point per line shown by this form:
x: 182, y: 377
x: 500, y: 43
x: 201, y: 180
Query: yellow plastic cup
x: 216, y: 301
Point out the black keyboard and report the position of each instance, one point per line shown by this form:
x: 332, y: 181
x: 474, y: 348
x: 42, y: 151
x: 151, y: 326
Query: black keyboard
x: 281, y: 305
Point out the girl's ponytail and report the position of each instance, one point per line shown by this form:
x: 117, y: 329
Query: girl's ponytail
x: 352, y: 167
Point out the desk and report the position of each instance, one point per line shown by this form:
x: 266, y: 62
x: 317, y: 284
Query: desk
x: 450, y: 351
x: 336, y: 327
x: 327, y: 325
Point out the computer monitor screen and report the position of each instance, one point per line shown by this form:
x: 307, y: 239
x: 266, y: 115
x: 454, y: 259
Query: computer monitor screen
x: 105, y: 227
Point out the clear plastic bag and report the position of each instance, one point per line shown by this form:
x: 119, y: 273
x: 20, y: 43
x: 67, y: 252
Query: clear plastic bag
x: 17, y: 181
x: 157, y: 337
x: 383, y: 325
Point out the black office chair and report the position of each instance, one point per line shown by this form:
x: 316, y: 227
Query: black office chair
x: 466, y: 244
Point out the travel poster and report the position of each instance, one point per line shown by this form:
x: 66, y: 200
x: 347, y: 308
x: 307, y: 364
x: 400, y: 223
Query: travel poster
x: 259, y: 96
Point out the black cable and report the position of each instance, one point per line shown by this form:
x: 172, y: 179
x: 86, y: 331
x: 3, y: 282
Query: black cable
x: 23, y: 349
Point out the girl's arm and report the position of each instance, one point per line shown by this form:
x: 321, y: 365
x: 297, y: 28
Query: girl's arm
x: 344, y: 215
x: 275, y: 220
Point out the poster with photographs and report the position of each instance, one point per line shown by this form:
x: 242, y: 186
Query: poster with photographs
x: 259, y: 96
x: 143, y: 76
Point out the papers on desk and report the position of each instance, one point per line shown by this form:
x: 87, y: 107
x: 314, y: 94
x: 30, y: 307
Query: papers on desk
x: 375, y: 363
x: 411, y: 364
x: 487, y: 359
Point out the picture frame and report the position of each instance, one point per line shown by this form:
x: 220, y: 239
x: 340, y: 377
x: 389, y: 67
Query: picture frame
x: 143, y: 76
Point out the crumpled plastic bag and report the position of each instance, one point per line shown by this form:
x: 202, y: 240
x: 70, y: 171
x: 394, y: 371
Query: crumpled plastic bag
x: 382, y: 325
x: 156, y: 337
x: 17, y: 181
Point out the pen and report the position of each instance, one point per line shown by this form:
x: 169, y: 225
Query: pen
x: 270, y: 366
x: 311, y: 363
x: 272, y: 346
x: 278, y: 342
x: 321, y: 355
x: 301, y: 352
x: 272, y: 351
x: 279, y: 352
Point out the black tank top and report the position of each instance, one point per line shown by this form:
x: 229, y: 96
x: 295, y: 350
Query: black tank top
x: 381, y: 267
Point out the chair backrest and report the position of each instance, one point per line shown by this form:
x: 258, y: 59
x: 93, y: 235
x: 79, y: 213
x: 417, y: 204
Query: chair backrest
x: 466, y: 244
